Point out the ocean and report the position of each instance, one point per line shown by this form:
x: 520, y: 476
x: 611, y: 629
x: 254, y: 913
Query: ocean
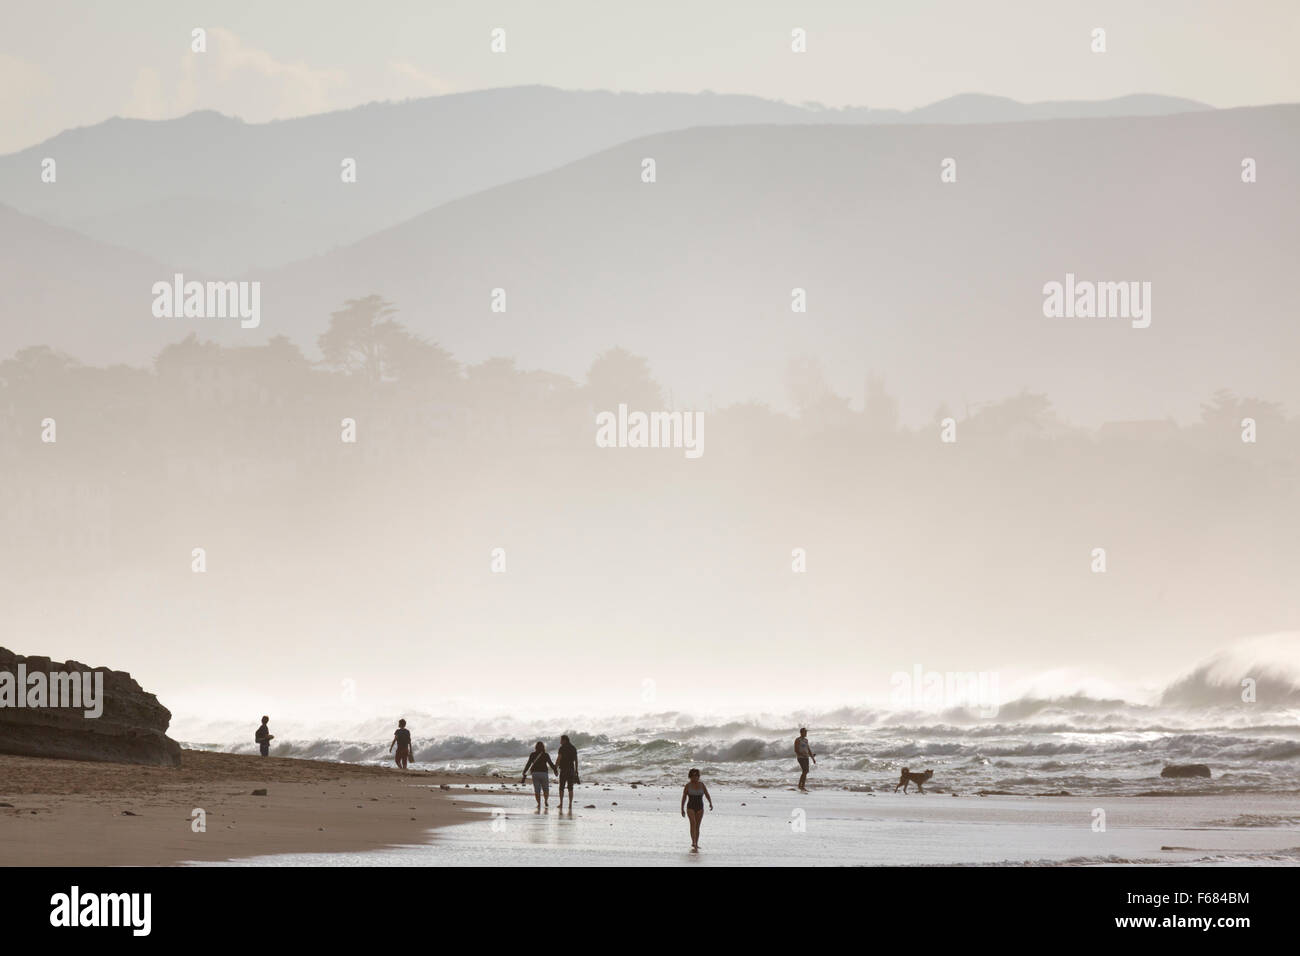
x: 1080, y: 746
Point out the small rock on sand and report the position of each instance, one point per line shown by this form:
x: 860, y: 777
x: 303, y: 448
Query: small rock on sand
x: 259, y: 793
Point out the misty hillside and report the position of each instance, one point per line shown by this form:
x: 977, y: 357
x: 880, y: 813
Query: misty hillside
x: 214, y: 193
x: 73, y: 293
x: 937, y: 287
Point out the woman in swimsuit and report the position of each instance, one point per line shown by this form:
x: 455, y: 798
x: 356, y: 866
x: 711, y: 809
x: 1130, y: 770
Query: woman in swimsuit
x: 693, y: 796
x: 538, y: 761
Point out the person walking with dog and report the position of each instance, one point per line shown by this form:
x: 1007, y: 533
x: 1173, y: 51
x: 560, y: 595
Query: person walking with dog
x: 802, y: 752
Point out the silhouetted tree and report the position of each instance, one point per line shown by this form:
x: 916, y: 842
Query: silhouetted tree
x: 879, y: 408
x: 619, y: 376
x: 40, y: 363
x: 1225, y: 411
x: 1026, y: 413
x: 364, y: 340
x: 811, y: 396
x: 37, y: 374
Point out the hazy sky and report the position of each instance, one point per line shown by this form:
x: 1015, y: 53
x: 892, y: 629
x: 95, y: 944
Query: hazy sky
x: 65, y: 63
x: 620, y: 574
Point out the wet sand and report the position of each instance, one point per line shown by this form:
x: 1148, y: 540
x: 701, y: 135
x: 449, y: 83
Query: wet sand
x: 320, y: 813
x: 77, y: 813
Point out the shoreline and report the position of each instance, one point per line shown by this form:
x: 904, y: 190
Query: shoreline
x: 84, y: 813
x: 75, y: 813
x: 617, y: 826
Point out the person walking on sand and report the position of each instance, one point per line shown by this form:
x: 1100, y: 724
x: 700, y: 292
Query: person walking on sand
x: 402, y: 740
x: 264, y: 737
x: 538, y: 761
x: 802, y: 751
x: 567, y: 767
x: 693, y: 796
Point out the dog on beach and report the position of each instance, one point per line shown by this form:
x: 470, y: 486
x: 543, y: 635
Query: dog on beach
x: 917, y: 778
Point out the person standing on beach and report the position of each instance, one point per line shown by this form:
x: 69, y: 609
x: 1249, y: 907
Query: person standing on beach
x: 693, y: 796
x: 264, y: 737
x: 802, y: 751
x: 538, y: 761
x: 402, y: 739
x: 567, y: 767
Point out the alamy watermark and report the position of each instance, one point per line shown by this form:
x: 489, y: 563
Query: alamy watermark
x: 1083, y: 299
x: 179, y: 299
x: 75, y: 908
x: 944, y: 690
x: 651, y: 430
x: 80, y: 690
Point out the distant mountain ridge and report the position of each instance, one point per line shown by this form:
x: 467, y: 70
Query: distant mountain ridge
x: 210, y: 192
x: 980, y: 108
x: 935, y: 287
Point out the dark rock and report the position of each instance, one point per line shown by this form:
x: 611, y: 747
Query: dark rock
x: 128, y: 813
x: 131, y: 729
x: 589, y: 806
x: 259, y: 793
x: 1185, y: 770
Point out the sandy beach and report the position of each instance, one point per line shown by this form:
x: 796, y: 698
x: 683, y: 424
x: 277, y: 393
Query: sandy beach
x: 76, y: 813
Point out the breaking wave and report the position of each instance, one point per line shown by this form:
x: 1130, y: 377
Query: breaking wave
x: 1238, y: 713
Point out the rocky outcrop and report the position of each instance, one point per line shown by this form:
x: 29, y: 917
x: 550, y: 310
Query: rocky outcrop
x: 1186, y: 770
x: 75, y: 712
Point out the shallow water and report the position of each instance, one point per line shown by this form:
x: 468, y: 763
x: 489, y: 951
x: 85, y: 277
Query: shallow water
x: 752, y: 827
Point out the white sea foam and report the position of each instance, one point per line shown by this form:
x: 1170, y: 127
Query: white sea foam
x: 1074, y: 741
